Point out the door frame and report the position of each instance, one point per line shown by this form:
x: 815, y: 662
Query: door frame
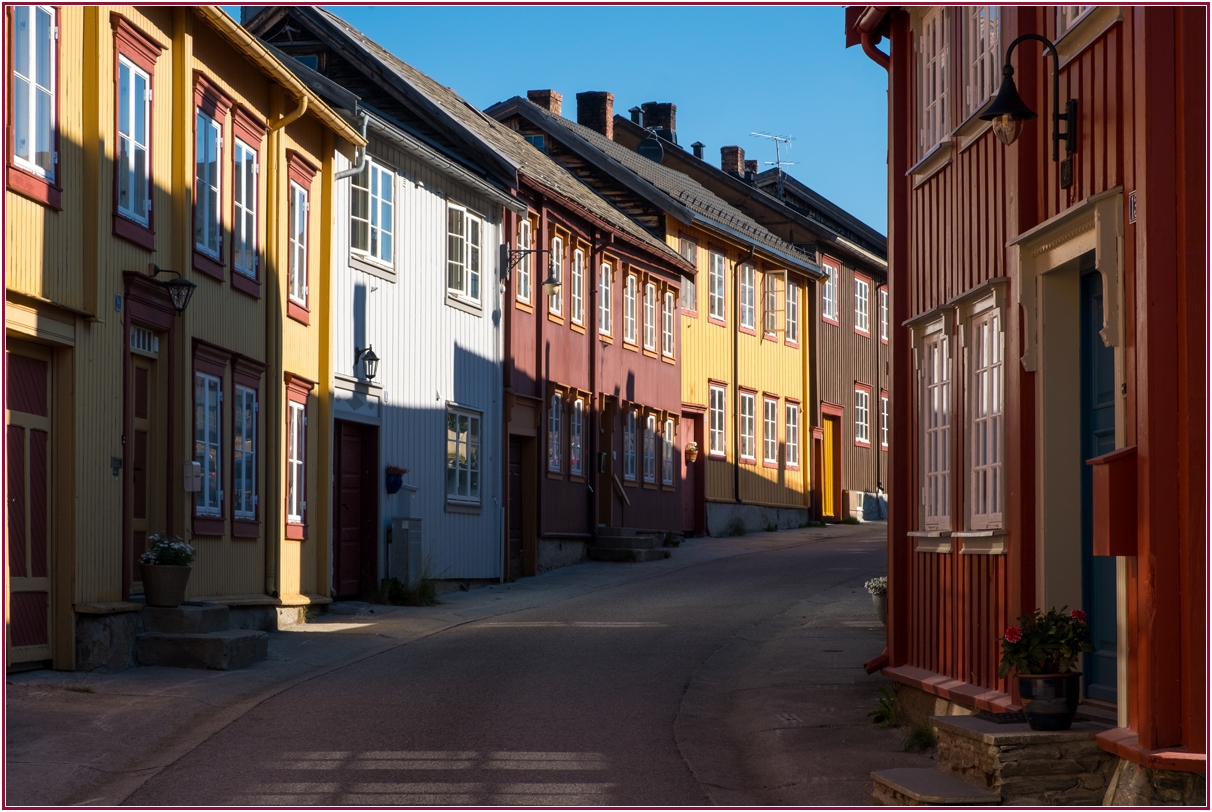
x: 832, y: 411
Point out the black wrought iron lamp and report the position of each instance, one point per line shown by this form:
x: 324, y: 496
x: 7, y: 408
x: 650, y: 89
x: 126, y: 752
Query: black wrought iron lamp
x: 510, y: 257
x: 367, y: 357
x: 1008, y: 111
x: 179, y: 290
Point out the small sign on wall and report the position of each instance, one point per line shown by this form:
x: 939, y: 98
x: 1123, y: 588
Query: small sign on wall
x: 1132, y: 206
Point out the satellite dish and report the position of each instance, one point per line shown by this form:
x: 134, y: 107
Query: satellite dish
x: 651, y: 149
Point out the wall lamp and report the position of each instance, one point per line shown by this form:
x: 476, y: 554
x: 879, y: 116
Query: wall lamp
x: 510, y: 257
x: 367, y: 355
x: 1008, y: 111
x: 179, y: 290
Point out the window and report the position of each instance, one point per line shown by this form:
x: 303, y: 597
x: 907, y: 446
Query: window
x: 884, y: 314
x: 829, y: 293
x: 770, y: 304
x: 748, y: 442
x: 667, y: 326
x: 629, y: 293
x: 523, y: 289
x: 555, y: 413
x: 715, y: 289
x: 244, y: 224
x: 650, y: 449
x: 1067, y: 17
x: 207, y: 192
x: 537, y: 141
x: 770, y: 431
x: 134, y: 126
x: 667, y: 454
x: 884, y: 420
x: 690, y: 251
x: 604, y: 326
x: 462, y: 457
x: 35, y: 84
x: 578, y: 287
x: 650, y: 317
x: 862, y: 296
x: 985, y: 390
x: 463, y: 252
x: 936, y: 419
x: 793, y: 313
x: 862, y: 415
x: 747, y: 285
x: 208, y: 429
x: 716, y: 422
x: 555, y: 299
x: 576, y: 440
x: 244, y: 457
x: 371, y: 212
x: 791, y: 451
x: 981, y: 55
x: 933, y: 121
x: 298, y: 243
x: 296, y: 461
x: 629, y: 446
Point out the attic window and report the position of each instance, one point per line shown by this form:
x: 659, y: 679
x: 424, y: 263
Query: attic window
x: 310, y: 60
x: 537, y: 141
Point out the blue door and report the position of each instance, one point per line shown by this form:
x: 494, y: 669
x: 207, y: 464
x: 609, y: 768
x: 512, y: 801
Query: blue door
x: 1098, y: 437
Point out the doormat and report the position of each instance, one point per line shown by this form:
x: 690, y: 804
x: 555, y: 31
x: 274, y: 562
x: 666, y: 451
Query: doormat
x: 1017, y: 717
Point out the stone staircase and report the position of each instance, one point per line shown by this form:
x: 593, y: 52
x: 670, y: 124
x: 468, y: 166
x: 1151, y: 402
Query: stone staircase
x: 197, y: 635
x: 628, y: 545
x: 983, y: 761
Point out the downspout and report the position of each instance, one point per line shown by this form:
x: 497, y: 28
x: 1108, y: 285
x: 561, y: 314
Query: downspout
x: 596, y: 403
x: 291, y: 117
x: 867, y: 23
x: 360, y: 158
x: 736, y: 363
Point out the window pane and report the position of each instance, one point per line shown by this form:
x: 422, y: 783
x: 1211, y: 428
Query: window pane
x: 21, y: 43
x: 21, y: 93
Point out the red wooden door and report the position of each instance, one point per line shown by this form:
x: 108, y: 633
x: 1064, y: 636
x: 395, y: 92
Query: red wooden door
x: 515, y: 509
x: 355, y: 497
x: 27, y: 420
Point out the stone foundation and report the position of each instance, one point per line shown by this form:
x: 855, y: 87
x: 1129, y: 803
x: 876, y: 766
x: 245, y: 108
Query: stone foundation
x: 106, y: 642
x: 916, y: 707
x: 1134, y: 785
x: 724, y: 519
x: 553, y: 553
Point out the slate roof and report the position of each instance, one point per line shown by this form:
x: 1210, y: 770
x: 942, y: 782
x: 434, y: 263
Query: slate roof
x: 683, y: 189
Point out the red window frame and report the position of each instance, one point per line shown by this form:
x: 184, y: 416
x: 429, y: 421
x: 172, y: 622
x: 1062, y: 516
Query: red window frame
x: 862, y: 387
x: 211, y: 100
x: 247, y: 373
x: 210, y: 360
x: 883, y: 291
x: 17, y: 178
x: 297, y: 391
x: 861, y: 277
x: 252, y: 132
x: 302, y: 172
x: 136, y: 46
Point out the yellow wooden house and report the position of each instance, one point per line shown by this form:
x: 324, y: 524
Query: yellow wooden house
x: 153, y: 147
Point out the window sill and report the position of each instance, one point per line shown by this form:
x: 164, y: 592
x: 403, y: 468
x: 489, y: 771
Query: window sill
x: 140, y: 235
x: 828, y: 320
x: 464, y: 507
x: 577, y: 327
x: 630, y: 483
x: 246, y: 284
x: 665, y: 486
x: 769, y: 464
x: 669, y: 359
x: 651, y: 353
x: 863, y: 333
x: 208, y: 265
x: 605, y: 338
x: 715, y: 455
x: 795, y: 345
x: 862, y: 444
x: 749, y: 461
x: 972, y: 129
x: 650, y: 486
x: 556, y: 475
x: 628, y: 345
x: 373, y: 267
x: 1092, y: 25
x: 792, y: 467
x: 555, y: 318
x: 692, y: 314
x: 520, y: 304
x: 934, y: 160
x: 576, y: 478
x: 298, y: 312
x: 296, y: 532
x: 749, y: 331
x: 209, y: 526
x: 468, y: 306
x: 982, y: 542
x: 34, y: 187
x: 717, y: 321
x: 245, y: 528
x: 931, y: 541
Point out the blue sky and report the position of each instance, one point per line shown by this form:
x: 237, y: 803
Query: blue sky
x: 730, y: 71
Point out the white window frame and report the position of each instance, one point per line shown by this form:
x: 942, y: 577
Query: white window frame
x: 578, y: 287
x: 244, y: 227
x: 932, y: 44
x: 770, y: 430
x: 883, y: 421
x: 629, y: 305
x: 1067, y: 18
x: 650, y: 449
x: 986, y: 421
x: 555, y: 447
x: 299, y: 207
x: 208, y: 185
x: 717, y: 297
x: 650, y: 317
x: 464, y: 252
x: 209, y: 389
x: 604, y: 300
x: 791, y: 446
x: 463, y: 457
x: 555, y: 299
x: 576, y: 438
x: 523, y: 268
x: 380, y: 212
x: 688, y: 300
x: 829, y: 293
x: 862, y: 305
x: 862, y: 416
x: 748, y: 426
x: 936, y: 429
x: 667, y: 453
x: 629, y: 446
x: 37, y: 87
x: 296, y: 464
x: 244, y: 454
x: 770, y: 303
x: 717, y: 420
x: 667, y: 343
x: 130, y: 143
x: 982, y: 36
x: 792, y: 317
x: 884, y: 313
x: 748, y: 283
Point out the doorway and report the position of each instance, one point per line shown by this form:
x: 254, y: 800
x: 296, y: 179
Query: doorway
x: 146, y: 411
x: 829, y: 482
x: 522, y: 551
x: 355, y: 566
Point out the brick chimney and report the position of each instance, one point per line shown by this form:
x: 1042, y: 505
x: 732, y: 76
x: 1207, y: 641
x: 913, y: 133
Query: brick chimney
x: 549, y: 100
x: 732, y: 159
x: 751, y: 167
x: 661, y: 117
x: 595, y: 110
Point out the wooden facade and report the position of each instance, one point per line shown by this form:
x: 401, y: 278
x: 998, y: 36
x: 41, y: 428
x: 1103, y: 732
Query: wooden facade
x: 121, y: 366
x: 1093, y: 292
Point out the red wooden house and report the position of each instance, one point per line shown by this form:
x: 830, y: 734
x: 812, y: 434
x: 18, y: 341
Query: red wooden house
x: 1049, y: 303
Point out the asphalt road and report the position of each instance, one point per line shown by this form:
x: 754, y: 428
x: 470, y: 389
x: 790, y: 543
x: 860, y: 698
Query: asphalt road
x: 575, y: 702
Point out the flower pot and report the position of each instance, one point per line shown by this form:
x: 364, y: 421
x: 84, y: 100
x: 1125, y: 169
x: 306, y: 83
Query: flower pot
x: 692, y: 454
x: 881, y: 607
x: 164, y: 585
x: 394, y: 481
x: 1050, y: 700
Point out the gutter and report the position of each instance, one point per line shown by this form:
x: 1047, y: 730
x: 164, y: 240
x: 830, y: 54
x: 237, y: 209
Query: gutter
x: 801, y: 263
x: 867, y: 25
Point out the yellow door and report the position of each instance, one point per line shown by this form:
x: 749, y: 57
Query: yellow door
x: 829, y: 468
x: 147, y: 458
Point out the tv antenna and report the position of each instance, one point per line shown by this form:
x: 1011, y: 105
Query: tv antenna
x: 778, y: 163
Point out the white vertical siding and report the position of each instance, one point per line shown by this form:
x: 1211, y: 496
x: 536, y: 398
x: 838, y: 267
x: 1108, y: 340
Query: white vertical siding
x: 430, y: 353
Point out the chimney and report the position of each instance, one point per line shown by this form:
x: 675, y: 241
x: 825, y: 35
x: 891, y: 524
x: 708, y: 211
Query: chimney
x: 751, y: 167
x: 595, y: 110
x: 637, y: 116
x: 549, y: 100
x: 661, y: 117
x: 697, y: 146
x: 732, y: 159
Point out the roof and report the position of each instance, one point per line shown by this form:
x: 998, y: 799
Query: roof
x: 825, y: 207
x: 679, y: 194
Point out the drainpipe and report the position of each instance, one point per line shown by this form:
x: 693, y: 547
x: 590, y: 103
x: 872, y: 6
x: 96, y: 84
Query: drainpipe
x: 596, y: 404
x: 292, y: 117
x: 360, y: 158
x: 867, y: 23
x: 736, y: 380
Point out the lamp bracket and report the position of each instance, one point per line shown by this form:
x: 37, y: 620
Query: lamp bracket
x: 510, y: 257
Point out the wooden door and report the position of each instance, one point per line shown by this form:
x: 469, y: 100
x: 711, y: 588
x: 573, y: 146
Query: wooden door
x: 353, y: 547
x: 147, y: 453
x: 606, y: 469
x: 829, y: 467
x: 515, y: 509
x: 28, y: 509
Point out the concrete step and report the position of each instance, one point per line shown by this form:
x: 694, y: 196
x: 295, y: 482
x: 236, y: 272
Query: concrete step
x: 630, y: 542
x: 188, y: 618
x: 926, y: 786
x: 221, y: 651
x: 604, y: 531
x: 626, y: 555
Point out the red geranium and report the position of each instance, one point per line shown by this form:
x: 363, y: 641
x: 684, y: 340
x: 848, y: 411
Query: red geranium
x: 1049, y: 642
x: 1014, y: 634
x: 1077, y: 614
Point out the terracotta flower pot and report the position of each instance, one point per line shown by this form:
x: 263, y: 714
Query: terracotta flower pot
x: 164, y: 585
x: 692, y: 454
x: 1050, y: 700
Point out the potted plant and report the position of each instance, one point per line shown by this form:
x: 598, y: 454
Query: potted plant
x: 878, y: 587
x: 394, y: 475
x: 692, y: 451
x: 166, y: 566
x: 1043, y: 650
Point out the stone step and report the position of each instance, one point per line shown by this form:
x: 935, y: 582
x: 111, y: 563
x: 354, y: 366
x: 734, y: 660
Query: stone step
x: 926, y: 786
x: 631, y: 542
x: 221, y: 651
x: 626, y: 555
x: 604, y: 531
x: 188, y: 618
